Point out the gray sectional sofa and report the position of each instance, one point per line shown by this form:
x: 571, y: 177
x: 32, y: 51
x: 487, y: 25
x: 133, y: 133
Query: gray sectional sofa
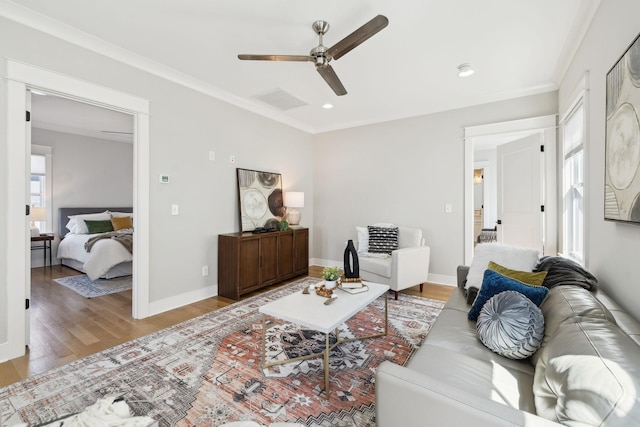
x: 586, y: 373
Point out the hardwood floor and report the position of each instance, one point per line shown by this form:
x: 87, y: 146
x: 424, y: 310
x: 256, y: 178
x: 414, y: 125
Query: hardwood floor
x: 66, y: 326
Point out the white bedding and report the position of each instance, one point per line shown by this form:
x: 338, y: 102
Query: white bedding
x: 105, y: 253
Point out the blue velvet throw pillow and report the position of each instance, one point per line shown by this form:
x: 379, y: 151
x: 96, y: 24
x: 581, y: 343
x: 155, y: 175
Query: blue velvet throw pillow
x: 494, y: 283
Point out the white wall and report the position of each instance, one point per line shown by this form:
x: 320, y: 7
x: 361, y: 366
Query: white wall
x: 404, y: 172
x: 611, y: 248
x: 184, y: 126
x: 85, y: 172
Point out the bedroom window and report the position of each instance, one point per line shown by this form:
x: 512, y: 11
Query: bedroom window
x: 40, y: 183
x: 573, y: 132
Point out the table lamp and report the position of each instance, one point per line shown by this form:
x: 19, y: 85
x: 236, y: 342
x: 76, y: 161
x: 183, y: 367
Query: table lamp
x: 293, y: 199
x: 37, y: 215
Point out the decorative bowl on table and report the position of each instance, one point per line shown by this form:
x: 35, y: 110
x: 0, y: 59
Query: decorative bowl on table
x: 324, y: 292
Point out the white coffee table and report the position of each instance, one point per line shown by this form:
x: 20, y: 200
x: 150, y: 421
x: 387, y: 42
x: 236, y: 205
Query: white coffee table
x: 309, y: 311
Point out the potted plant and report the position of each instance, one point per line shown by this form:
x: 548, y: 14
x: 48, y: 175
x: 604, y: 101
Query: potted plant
x: 330, y: 276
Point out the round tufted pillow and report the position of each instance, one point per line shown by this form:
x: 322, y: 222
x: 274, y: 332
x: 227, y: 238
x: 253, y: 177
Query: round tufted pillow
x: 511, y: 325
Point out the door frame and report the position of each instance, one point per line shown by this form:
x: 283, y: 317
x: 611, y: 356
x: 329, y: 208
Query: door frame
x: 20, y: 77
x: 546, y: 127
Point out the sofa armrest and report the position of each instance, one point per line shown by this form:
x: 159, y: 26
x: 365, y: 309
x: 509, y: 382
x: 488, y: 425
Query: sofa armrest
x: 410, y: 266
x: 405, y: 397
x: 462, y: 272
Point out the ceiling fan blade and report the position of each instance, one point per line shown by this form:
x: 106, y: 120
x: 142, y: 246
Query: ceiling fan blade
x: 332, y: 79
x: 358, y: 37
x: 302, y: 58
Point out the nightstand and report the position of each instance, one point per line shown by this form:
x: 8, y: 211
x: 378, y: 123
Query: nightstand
x: 46, y: 239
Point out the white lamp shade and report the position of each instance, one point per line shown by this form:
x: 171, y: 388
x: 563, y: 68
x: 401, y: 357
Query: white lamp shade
x: 38, y: 214
x: 294, y: 199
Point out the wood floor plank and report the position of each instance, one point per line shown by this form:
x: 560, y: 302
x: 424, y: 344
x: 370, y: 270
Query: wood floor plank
x: 66, y: 326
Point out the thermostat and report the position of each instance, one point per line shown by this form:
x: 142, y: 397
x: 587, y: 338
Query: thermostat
x: 164, y: 179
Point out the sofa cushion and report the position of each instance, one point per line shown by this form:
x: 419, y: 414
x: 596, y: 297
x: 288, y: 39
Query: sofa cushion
x: 452, y: 330
x: 511, y: 325
x: 495, y: 283
x: 588, y: 373
x: 482, y: 378
x: 588, y: 369
x: 379, y: 266
x: 516, y: 258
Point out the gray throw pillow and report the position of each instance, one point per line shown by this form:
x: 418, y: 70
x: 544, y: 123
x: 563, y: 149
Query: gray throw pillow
x: 511, y: 325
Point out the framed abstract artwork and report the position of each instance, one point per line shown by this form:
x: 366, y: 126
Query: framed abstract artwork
x: 260, y: 199
x: 622, y: 138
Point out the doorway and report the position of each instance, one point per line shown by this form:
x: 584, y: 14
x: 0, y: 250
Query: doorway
x: 20, y: 78
x: 488, y: 138
x: 74, y: 135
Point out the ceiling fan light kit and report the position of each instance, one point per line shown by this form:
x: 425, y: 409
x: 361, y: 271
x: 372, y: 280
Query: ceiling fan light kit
x: 321, y: 56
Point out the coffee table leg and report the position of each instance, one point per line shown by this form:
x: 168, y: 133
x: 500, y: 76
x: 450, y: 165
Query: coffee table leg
x: 386, y: 313
x: 326, y: 366
x: 264, y: 340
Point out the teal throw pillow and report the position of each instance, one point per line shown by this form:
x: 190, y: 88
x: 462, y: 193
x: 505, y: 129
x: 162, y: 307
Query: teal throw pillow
x: 493, y: 283
x: 96, y: 227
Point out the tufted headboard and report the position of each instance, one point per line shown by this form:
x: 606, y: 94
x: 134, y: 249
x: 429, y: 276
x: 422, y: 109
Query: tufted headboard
x: 64, y: 213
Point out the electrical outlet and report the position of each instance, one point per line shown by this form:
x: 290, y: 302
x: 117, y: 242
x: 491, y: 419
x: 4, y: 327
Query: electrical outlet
x: 175, y: 209
x: 448, y: 208
x: 212, y: 156
x: 232, y: 159
x: 205, y: 270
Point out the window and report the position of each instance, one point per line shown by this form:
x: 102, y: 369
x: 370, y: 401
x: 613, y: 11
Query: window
x: 573, y: 182
x: 40, y: 183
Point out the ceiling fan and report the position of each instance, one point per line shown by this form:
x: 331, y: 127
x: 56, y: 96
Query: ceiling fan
x: 322, y: 55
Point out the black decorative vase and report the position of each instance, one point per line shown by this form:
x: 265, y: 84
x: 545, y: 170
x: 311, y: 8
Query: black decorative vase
x: 351, y: 265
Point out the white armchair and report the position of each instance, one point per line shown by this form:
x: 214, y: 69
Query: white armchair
x: 407, y: 266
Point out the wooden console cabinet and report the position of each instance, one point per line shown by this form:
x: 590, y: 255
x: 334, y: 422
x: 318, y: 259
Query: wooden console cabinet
x: 247, y: 261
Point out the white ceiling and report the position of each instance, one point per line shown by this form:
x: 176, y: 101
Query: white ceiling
x: 408, y: 69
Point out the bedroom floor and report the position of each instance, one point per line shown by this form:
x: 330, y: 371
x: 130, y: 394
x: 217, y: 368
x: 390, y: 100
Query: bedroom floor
x: 66, y: 326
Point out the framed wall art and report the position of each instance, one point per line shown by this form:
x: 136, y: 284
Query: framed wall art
x: 622, y: 138
x: 260, y: 199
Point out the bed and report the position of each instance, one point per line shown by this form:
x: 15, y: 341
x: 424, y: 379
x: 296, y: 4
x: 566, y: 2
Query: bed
x: 108, y: 258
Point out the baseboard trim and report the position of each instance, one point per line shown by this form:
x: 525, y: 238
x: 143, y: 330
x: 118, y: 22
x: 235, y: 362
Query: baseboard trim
x: 439, y: 279
x: 157, y: 307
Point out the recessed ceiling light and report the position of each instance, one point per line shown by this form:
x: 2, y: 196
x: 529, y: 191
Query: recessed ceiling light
x: 465, y: 70
x: 327, y: 106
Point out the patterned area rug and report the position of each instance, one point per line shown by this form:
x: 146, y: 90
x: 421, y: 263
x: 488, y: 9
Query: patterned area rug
x: 206, y: 371
x: 95, y: 288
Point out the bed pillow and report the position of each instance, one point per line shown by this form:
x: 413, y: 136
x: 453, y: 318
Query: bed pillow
x: 121, y: 223
x: 76, y: 224
x: 120, y: 214
x: 511, y: 325
x: 99, y: 226
x: 494, y: 283
x: 382, y: 240
x: 513, y: 257
x: 526, y: 277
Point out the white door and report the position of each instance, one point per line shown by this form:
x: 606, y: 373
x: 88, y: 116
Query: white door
x: 12, y: 317
x: 520, y: 217
x: 27, y: 276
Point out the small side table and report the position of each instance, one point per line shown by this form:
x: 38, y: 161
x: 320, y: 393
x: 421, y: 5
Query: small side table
x: 46, y: 239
